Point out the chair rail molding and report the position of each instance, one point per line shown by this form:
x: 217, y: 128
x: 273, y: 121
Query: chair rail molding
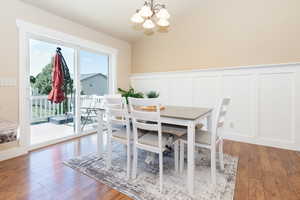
x: 265, y: 107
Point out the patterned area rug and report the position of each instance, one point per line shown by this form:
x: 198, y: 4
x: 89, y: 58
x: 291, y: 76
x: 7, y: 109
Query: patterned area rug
x: 146, y: 185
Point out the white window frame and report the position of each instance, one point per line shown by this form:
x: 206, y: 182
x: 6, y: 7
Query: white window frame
x: 29, y: 31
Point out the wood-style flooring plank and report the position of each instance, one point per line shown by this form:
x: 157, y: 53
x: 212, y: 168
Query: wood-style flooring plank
x: 227, y: 147
x: 242, y: 184
x: 256, y: 189
x: 255, y: 169
x: 280, y: 173
x: 271, y: 189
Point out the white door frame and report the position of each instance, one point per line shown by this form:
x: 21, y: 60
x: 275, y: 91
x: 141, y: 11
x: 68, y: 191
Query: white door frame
x: 28, y: 31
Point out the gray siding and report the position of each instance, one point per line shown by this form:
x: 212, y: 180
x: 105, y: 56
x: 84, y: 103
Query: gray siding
x: 95, y: 85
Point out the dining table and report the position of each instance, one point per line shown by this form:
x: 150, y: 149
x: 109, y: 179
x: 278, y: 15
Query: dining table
x: 176, y: 115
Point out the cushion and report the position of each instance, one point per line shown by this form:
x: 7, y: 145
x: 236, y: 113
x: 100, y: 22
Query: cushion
x: 151, y: 139
x: 201, y: 137
x: 119, y: 132
x: 199, y: 126
x: 179, y: 131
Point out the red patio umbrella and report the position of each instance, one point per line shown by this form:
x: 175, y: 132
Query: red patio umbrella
x: 57, y: 94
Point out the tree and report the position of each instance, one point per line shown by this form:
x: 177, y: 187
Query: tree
x: 43, y: 80
x: 32, y: 80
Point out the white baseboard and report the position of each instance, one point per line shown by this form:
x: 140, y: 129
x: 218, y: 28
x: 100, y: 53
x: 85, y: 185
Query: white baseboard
x: 12, y: 153
x: 268, y: 143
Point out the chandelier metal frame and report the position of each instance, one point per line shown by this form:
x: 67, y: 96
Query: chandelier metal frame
x: 151, y: 14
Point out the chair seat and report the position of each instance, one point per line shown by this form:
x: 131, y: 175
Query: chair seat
x: 152, y: 140
x: 120, y: 132
x: 201, y: 137
x: 176, y: 130
x: 199, y: 126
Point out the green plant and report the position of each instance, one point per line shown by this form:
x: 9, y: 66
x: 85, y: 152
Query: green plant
x: 130, y: 93
x: 152, y: 94
x: 43, y: 81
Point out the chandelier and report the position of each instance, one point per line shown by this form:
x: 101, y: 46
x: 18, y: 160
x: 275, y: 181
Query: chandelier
x: 152, y: 14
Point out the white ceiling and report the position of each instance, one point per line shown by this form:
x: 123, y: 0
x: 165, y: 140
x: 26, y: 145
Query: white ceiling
x: 108, y: 16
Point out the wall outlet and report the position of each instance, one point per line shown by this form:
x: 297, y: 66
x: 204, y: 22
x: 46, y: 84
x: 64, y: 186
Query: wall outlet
x: 231, y: 125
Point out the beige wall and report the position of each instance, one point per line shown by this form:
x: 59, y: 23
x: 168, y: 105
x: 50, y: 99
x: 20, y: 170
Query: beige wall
x: 223, y: 33
x: 13, y: 9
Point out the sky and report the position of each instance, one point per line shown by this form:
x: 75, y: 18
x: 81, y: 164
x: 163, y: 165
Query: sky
x: 41, y: 54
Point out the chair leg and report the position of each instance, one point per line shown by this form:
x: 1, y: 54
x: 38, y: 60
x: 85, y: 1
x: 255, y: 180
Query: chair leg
x: 125, y: 148
x: 181, y: 157
x: 213, y: 165
x: 176, y: 155
x: 134, y: 167
x: 221, y: 156
x: 161, y: 171
x: 109, y: 152
x: 128, y: 160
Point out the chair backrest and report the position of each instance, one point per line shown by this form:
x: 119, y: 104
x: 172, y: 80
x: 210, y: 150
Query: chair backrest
x: 116, y: 110
x: 145, y: 119
x: 219, y: 119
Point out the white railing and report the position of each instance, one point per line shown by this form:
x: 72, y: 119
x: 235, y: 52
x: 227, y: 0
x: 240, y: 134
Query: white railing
x: 42, y: 109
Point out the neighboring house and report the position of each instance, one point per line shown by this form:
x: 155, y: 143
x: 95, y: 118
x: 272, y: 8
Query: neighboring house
x: 94, y: 84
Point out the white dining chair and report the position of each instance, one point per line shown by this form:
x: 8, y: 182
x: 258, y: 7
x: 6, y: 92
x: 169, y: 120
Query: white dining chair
x: 118, y: 127
x: 210, y: 140
x: 154, y: 141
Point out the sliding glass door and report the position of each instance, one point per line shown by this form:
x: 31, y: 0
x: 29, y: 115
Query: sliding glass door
x: 94, y: 83
x: 50, y: 121
x: 77, y: 114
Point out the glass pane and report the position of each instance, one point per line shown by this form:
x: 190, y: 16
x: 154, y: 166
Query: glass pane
x: 94, y: 83
x: 49, y: 121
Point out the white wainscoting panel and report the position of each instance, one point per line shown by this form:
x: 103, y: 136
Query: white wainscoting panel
x: 264, y: 102
x: 238, y: 88
x: 276, y: 107
x: 179, y: 91
x: 207, y: 90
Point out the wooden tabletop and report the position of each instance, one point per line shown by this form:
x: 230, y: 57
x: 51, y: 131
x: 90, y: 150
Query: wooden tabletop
x: 179, y: 112
x: 182, y: 112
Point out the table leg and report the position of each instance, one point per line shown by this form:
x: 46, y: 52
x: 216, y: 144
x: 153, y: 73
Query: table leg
x: 100, y: 133
x: 191, y: 157
x: 77, y: 148
x: 209, y: 122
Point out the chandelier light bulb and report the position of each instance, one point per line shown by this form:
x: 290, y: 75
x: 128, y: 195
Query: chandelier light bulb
x: 148, y: 24
x: 146, y: 11
x: 137, y: 18
x: 151, y: 14
x: 163, y: 22
x: 163, y: 14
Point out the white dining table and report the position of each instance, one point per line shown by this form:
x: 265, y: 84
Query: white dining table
x: 177, y: 115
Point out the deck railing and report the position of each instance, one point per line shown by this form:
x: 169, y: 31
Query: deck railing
x: 42, y: 109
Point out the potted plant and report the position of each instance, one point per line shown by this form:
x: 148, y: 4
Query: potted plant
x: 130, y: 93
x: 152, y: 94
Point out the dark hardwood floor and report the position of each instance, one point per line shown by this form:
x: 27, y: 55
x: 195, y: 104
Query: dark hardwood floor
x: 263, y: 173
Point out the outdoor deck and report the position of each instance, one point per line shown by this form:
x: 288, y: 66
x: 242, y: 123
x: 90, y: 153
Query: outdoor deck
x: 47, y: 119
x: 45, y: 132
